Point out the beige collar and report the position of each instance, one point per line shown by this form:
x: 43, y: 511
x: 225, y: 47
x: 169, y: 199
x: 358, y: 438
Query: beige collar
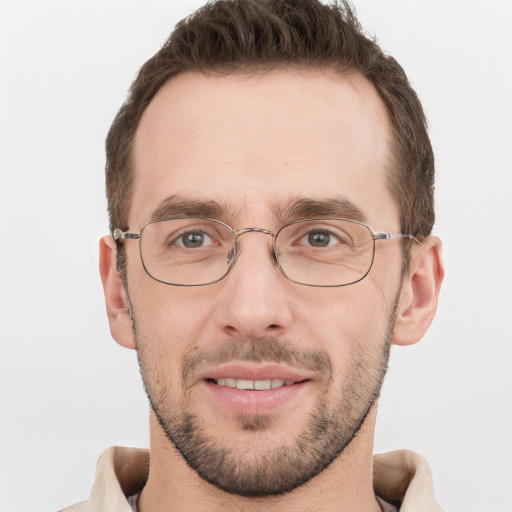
x: 402, y: 478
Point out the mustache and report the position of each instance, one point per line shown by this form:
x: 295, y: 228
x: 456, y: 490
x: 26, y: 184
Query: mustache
x: 258, y: 350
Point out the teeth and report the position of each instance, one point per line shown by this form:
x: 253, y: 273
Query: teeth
x: 260, y: 385
x: 244, y: 384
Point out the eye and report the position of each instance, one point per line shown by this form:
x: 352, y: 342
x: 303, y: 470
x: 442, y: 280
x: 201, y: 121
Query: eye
x: 320, y: 238
x: 193, y: 239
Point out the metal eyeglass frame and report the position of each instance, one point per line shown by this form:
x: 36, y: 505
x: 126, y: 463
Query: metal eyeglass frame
x: 119, y: 235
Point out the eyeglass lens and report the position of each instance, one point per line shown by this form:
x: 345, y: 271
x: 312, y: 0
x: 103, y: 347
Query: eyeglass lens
x: 190, y: 251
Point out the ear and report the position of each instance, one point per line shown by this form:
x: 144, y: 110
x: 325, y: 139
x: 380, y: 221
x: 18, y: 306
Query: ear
x: 118, y: 305
x: 420, y: 292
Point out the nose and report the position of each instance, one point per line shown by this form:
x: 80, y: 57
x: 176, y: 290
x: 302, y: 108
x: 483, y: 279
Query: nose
x: 255, y: 299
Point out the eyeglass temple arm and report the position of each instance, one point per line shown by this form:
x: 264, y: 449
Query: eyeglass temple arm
x: 118, y: 234
x: 391, y: 236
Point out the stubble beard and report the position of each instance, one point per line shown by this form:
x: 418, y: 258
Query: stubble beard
x: 256, y: 473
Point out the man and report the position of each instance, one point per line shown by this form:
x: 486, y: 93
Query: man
x: 270, y: 189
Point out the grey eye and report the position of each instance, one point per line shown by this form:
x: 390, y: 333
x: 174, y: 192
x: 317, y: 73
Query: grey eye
x: 319, y: 238
x: 193, y: 240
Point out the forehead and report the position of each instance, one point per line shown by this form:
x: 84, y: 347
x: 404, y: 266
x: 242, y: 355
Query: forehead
x: 254, y: 142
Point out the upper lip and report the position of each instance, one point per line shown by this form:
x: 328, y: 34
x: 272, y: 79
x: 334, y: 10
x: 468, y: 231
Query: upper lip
x: 260, y: 372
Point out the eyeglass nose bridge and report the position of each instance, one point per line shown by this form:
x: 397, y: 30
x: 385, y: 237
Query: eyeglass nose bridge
x: 256, y: 230
x: 235, y: 251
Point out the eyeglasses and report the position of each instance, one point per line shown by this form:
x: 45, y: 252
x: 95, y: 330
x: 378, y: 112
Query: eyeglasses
x: 194, y: 251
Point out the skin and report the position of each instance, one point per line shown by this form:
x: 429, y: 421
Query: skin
x: 253, y: 143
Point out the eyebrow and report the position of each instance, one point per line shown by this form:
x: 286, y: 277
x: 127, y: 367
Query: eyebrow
x: 307, y: 208
x: 294, y: 209
x: 179, y: 206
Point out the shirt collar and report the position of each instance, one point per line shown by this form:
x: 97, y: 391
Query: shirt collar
x: 402, y: 478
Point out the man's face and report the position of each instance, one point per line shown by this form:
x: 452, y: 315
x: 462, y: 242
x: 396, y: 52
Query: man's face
x: 257, y: 146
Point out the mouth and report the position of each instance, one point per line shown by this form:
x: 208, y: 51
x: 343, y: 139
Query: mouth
x: 255, y: 390
x: 256, y: 385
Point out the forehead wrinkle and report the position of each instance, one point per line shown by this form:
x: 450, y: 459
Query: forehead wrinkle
x: 177, y: 205
x: 308, y: 208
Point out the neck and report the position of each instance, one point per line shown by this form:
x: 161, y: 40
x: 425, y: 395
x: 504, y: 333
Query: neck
x: 345, y: 485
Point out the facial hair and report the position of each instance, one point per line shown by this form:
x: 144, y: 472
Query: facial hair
x: 258, y: 472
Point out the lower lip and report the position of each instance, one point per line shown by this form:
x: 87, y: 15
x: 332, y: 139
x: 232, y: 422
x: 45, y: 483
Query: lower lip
x: 255, y: 402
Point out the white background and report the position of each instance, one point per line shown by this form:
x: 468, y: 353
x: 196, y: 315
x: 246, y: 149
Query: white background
x: 68, y: 391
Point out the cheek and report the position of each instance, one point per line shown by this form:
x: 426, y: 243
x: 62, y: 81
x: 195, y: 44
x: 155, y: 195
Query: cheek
x: 162, y: 341
x: 350, y: 314
x: 170, y: 318
x: 353, y: 324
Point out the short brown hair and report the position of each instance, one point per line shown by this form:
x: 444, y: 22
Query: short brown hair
x: 239, y: 36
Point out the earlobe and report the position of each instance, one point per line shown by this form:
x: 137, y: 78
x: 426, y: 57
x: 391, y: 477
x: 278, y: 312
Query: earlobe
x: 420, y: 293
x: 118, y: 307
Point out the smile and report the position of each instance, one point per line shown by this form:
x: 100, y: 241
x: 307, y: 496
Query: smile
x: 257, y: 385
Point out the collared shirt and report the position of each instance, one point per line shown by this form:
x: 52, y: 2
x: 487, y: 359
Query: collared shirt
x: 401, y: 479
